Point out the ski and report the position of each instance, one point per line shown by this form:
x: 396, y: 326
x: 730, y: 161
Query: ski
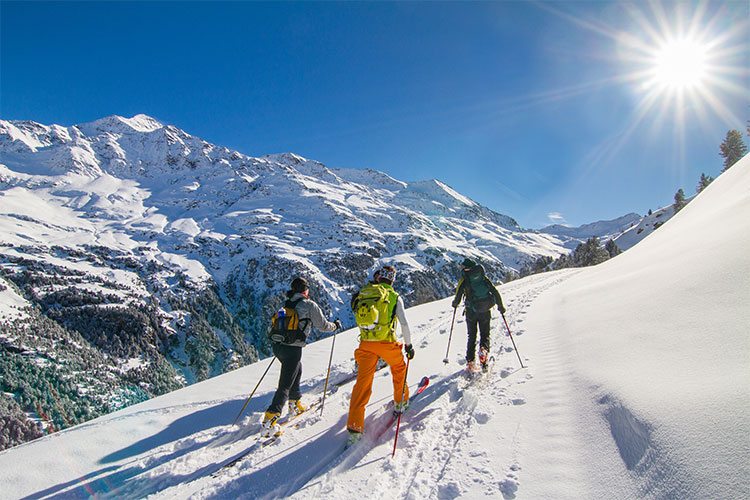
x: 234, y: 461
x: 263, y: 442
x: 480, y: 375
x: 350, y: 455
x: 285, y: 422
x: 487, y: 367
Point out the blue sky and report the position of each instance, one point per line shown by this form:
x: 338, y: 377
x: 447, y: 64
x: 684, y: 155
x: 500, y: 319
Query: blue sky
x: 546, y: 112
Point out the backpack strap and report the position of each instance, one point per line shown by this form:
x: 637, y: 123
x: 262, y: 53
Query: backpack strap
x: 292, y: 304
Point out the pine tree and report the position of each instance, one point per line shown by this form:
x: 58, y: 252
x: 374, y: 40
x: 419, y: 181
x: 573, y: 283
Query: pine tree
x: 589, y: 253
x: 704, y: 182
x: 679, y: 200
x: 732, y: 149
x: 612, y: 248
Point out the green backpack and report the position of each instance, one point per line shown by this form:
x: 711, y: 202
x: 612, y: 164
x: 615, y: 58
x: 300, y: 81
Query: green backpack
x: 372, y: 312
x: 479, y: 298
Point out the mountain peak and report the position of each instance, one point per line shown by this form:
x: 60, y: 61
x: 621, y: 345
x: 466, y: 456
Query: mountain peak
x: 115, y: 123
x: 289, y: 159
x: 453, y: 193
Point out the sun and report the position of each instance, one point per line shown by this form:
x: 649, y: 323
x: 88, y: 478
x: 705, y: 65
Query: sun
x: 680, y: 65
x: 683, y: 62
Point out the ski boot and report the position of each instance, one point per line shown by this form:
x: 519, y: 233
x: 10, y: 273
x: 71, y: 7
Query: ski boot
x: 296, y: 407
x: 354, y: 438
x: 399, y: 408
x: 483, y: 358
x: 269, y: 427
x: 471, y: 368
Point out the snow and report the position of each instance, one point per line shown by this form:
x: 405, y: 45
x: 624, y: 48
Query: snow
x: 138, y: 123
x: 10, y: 302
x: 635, y: 386
x: 19, y: 136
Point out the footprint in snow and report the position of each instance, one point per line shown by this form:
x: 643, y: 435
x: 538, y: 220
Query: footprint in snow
x: 481, y: 417
x: 449, y: 491
x: 508, y: 488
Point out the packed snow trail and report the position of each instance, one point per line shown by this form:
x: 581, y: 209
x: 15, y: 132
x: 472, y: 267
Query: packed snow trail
x: 432, y: 432
x: 437, y: 444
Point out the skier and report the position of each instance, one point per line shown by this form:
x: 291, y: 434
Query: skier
x: 289, y: 353
x: 378, y: 309
x: 481, y: 295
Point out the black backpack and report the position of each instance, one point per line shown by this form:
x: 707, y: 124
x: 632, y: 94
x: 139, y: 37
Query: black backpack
x: 286, y: 327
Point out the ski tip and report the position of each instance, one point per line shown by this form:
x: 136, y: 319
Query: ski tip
x: 424, y: 381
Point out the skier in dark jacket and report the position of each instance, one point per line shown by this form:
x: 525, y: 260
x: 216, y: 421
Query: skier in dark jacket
x: 480, y: 295
x: 290, y: 356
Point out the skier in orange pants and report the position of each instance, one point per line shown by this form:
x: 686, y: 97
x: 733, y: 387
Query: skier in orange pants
x: 378, y: 309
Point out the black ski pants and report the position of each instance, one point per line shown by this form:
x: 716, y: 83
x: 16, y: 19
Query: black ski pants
x: 289, y: 378
x: 482, y: 321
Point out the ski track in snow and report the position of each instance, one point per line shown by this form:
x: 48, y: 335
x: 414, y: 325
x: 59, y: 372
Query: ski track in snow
x: 439, y: 431
x: 441, y: 437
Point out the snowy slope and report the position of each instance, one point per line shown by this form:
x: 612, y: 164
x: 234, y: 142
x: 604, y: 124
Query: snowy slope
x: 647, y: 225
x: 635, y: 386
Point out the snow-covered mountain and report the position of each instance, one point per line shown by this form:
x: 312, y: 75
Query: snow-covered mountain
x: 635, y: 387
x: 166, y: 254
x: 604, y: 230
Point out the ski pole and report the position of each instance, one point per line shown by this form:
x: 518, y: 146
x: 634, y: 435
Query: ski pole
x: 511, y: 339
x: 450, y: 335
x: 403, y: 393
x: 328, y: 374
x: 256, y: 388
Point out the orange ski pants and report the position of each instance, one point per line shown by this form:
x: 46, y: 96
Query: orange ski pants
x: 366, y: 357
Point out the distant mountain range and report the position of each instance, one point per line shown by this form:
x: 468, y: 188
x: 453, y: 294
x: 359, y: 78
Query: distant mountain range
x: 168, y: 254
x: 604, y: 230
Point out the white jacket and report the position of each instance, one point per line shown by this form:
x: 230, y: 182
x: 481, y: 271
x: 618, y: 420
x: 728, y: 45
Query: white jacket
x: 307, y: 309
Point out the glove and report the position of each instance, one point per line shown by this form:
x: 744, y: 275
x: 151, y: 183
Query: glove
x: 409, y: 351
x: 501, y: 309
x: 338, y: 324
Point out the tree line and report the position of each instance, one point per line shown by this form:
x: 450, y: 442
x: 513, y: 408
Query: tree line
x: 732, y: 149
